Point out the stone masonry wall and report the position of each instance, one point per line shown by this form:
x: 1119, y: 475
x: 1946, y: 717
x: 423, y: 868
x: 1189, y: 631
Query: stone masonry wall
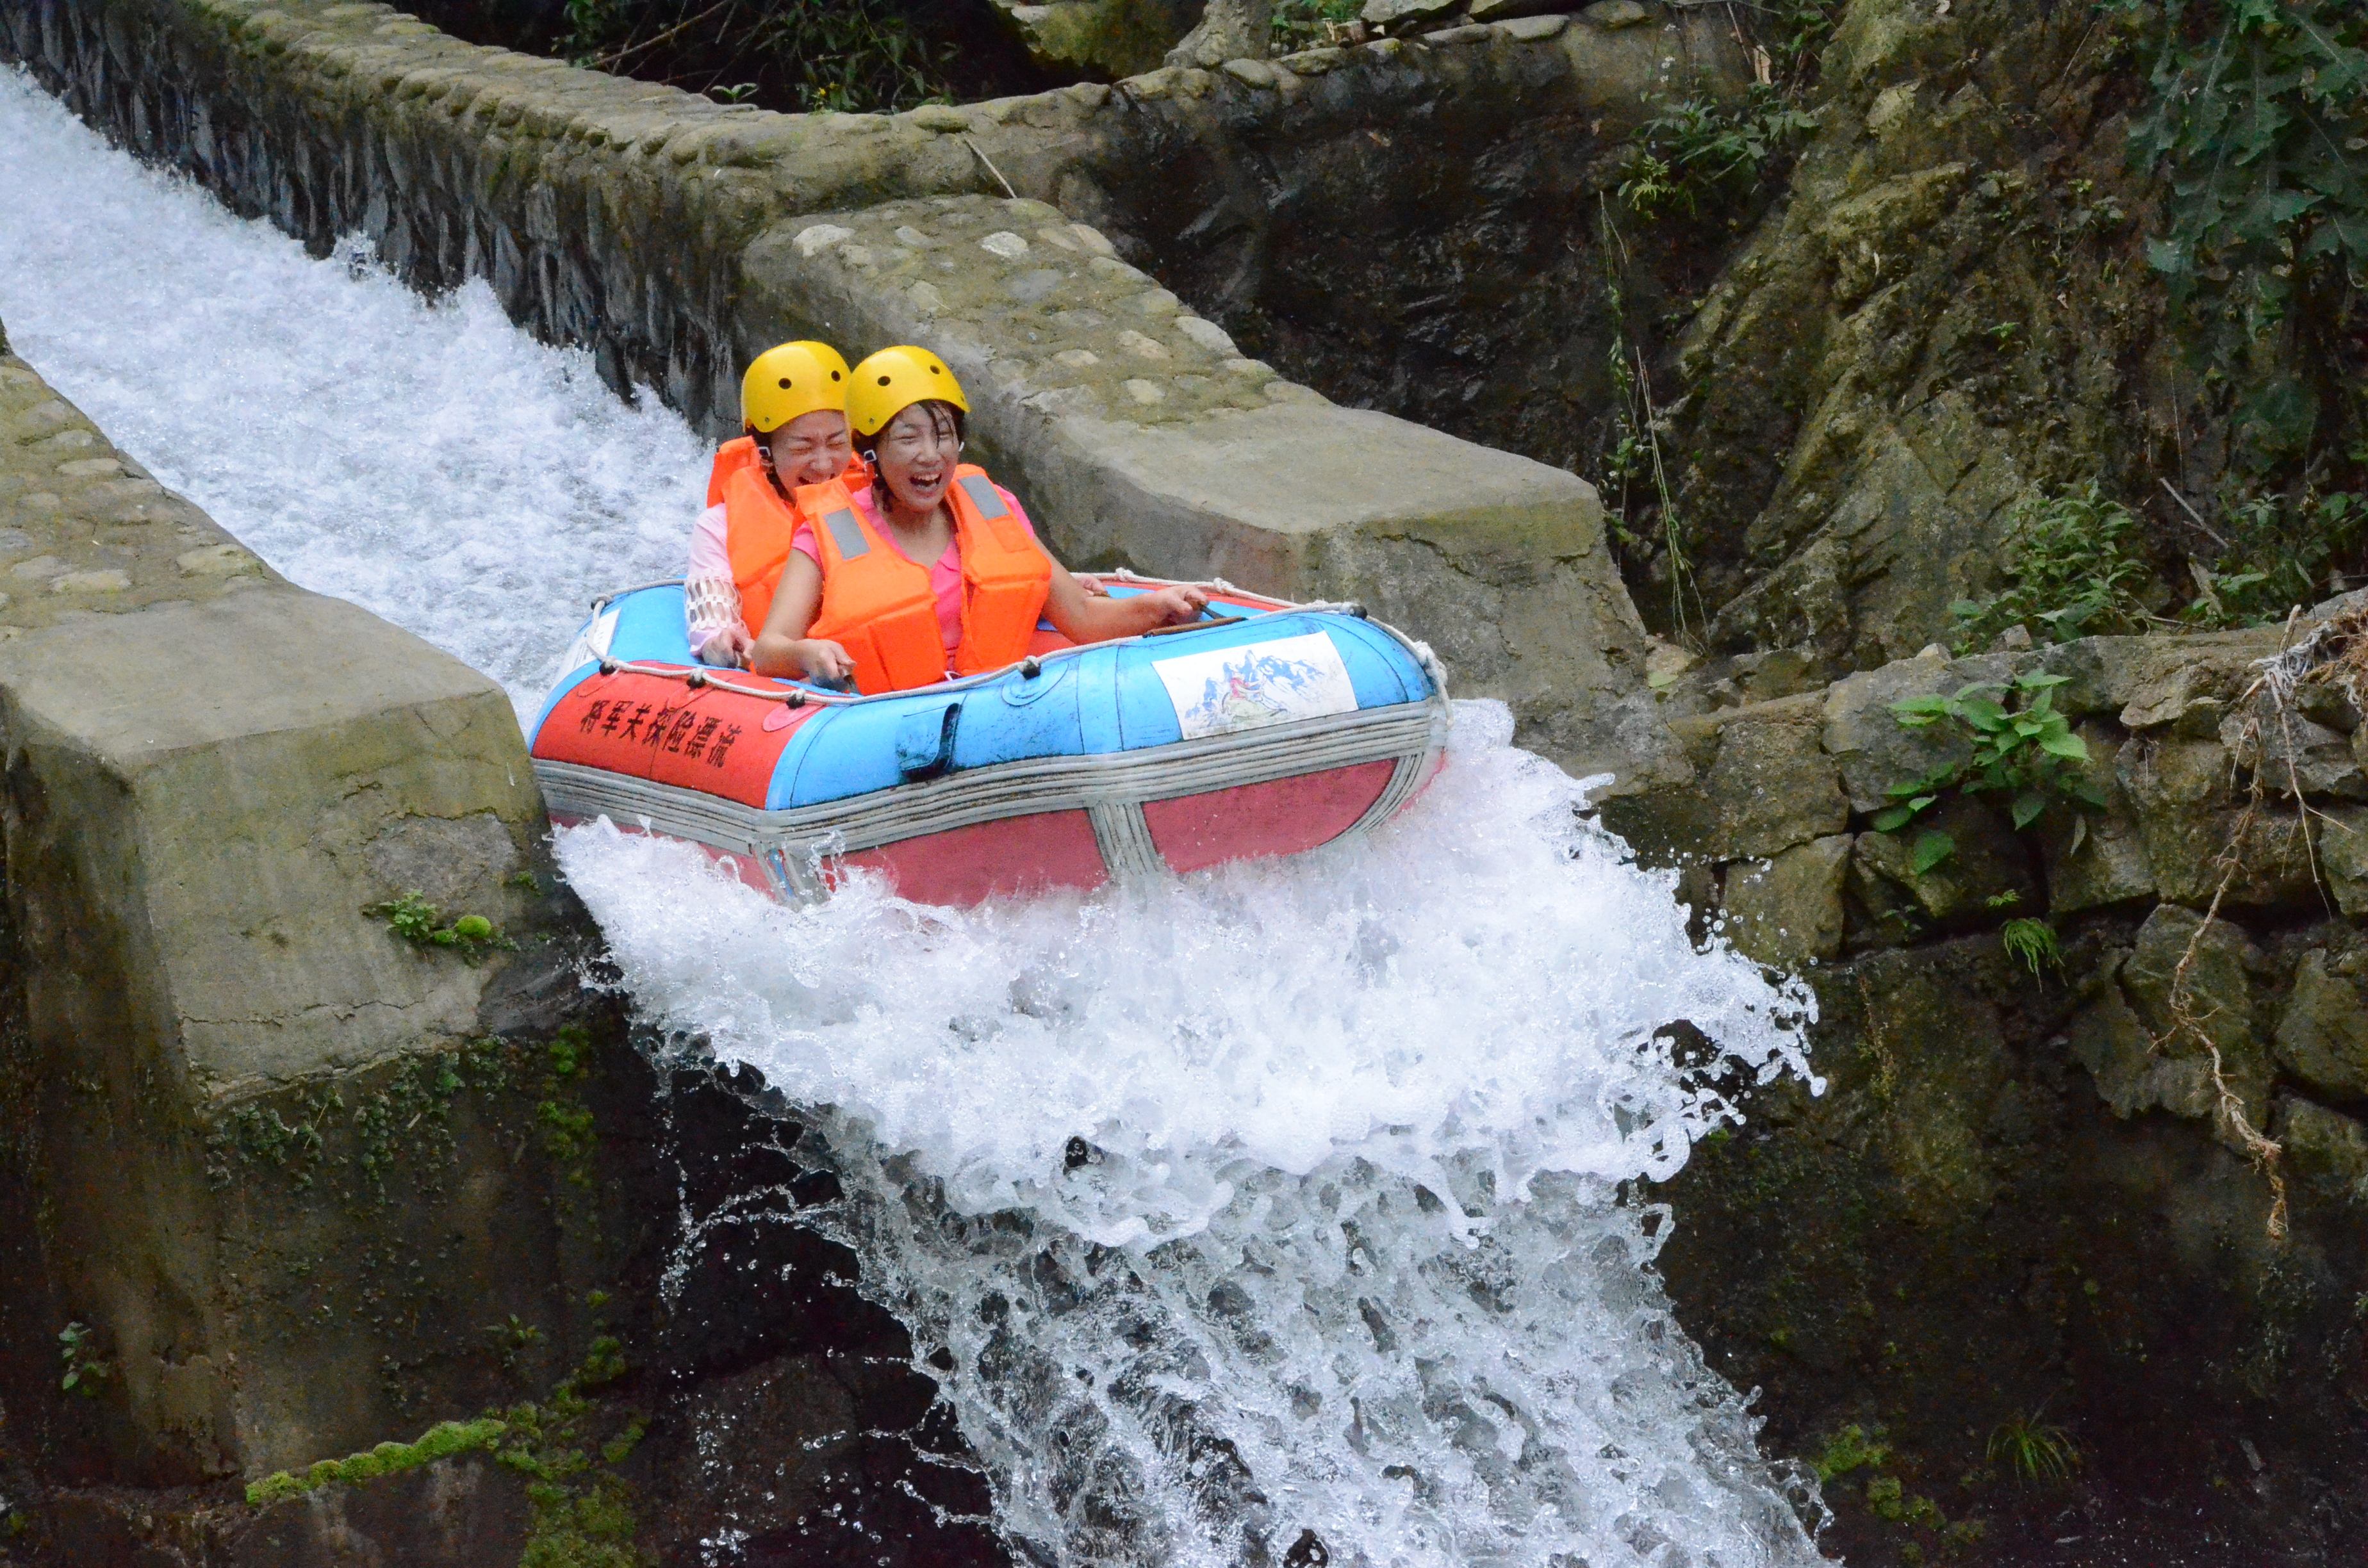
x: 2029, y: 1153
x: 662, y: 232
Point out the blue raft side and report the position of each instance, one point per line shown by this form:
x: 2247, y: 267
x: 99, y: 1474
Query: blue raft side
x: 1091, y: 702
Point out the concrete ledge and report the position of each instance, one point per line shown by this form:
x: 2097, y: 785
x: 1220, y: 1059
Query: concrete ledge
x: 235, y: 1108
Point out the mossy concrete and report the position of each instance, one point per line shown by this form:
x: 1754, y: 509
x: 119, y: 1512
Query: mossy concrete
x: 210, y: 777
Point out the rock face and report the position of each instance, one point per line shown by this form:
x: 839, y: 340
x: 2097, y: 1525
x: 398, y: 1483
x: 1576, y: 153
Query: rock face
x: 1936, y: 321
x: 675, y: 235
x: 2045, y: 1152
x: 1099, y: 38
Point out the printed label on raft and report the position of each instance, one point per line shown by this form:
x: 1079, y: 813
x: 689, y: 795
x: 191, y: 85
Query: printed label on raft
x: 1257, y: 683
x: 591, y: 645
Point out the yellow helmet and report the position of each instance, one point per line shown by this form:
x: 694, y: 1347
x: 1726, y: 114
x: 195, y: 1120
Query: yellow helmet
x: 895, y: 380
x: 789, y: 380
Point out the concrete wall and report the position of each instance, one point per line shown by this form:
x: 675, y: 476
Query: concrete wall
x: 209, y: 777
x: 672, y: 234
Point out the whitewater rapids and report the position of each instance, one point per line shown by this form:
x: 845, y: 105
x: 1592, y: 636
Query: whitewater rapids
x: 1289, y: 1204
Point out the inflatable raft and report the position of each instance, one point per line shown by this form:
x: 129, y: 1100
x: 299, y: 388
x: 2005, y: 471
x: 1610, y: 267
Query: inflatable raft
x: 1263, y: 729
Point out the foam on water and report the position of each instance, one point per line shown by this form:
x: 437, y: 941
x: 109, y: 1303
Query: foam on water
x: 424, y: 459
x: 1289, y: 1199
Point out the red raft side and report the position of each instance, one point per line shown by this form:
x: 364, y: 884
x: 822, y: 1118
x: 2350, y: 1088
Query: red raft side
x: 1013, y: 858
x: 1282, y: 816
x: 656, y: 728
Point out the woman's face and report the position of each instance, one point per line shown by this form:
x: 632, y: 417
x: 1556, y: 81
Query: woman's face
x: 810, y: 450
x: 916, y: 452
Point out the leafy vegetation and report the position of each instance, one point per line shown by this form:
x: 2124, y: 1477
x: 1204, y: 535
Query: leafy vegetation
x: 2259, y: 129
x: 2022, y: 748
x: 1303, y: 24
x: 86, y: 1370
x: 850, y: 55
x: 2034, y: 942
x: 2280, y: 552
x: 413, y: 919
x: 2072, y: 568
x: 2035, y: 1450
x: 1705, y: 155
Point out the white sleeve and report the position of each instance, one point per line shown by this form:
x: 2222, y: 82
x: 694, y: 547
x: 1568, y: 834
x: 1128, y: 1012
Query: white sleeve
x: 710, y: 599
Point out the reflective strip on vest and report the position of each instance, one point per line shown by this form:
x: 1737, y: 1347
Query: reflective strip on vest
x: 847, y: 533
x: 984, y: 496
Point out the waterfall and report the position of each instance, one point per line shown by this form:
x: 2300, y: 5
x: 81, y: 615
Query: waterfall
x: 1291, y: 1214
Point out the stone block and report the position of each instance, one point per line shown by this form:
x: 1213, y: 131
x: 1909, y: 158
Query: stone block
x: 2094, y: 858
x: 1864, y: 736
x: 2342, y: 846
x: 1786, y: 912
x: 1986, y: 875
x: 1763, y: 784
x: 2322, y: 1038
x: 249, y: 1116
x: 2209, y: 1007
x: 1106, y: 38
x: 2326, y: 1148
x: 2112, y: 1042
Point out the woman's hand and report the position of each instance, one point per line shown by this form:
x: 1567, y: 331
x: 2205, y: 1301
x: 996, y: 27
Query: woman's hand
x: 801, y: 658
x: 822, y: 661
x: 728, y: 648
x: 1176, y: 605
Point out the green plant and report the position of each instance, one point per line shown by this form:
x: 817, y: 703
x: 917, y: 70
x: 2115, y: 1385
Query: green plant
x: 846, y: 55
x: 2034, y: 942
x: 440, y: 1441
x: 413, y: 919
x: 1852, y: 1447
x: 2259, y: 131
x: 2021, y: 747
x: 86, y: 1370
x: 1301, y: 24
x: 1893, y: 1501
x: 1706, y: 152
x: 512, y: 1340
x: 2279, y: 553
x: 1635, y: 458
x: 2035, y: 1450
x: 2071, y: 569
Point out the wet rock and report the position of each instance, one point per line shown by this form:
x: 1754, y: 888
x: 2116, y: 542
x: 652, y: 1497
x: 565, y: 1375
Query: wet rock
x: 1108, y: 38
x: 1787, y: 911
x: 2191, y: 987
x: 2326, y: 1148
x: 2322, y: 1038
x: 1764, y: 785
x: 2095, y: 857
x: 1986, y: 873
x: 1227, y: 30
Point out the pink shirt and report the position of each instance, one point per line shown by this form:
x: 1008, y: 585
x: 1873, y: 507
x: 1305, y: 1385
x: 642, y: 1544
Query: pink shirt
x: 711, y: 557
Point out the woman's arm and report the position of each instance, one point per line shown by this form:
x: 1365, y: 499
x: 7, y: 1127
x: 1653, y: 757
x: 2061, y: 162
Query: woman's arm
x: 710, y: 599
x: 783, y: 646
x: 1081, y: 617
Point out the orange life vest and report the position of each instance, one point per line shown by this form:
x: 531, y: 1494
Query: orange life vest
x: 878, y: 605
x: 758, y: 524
